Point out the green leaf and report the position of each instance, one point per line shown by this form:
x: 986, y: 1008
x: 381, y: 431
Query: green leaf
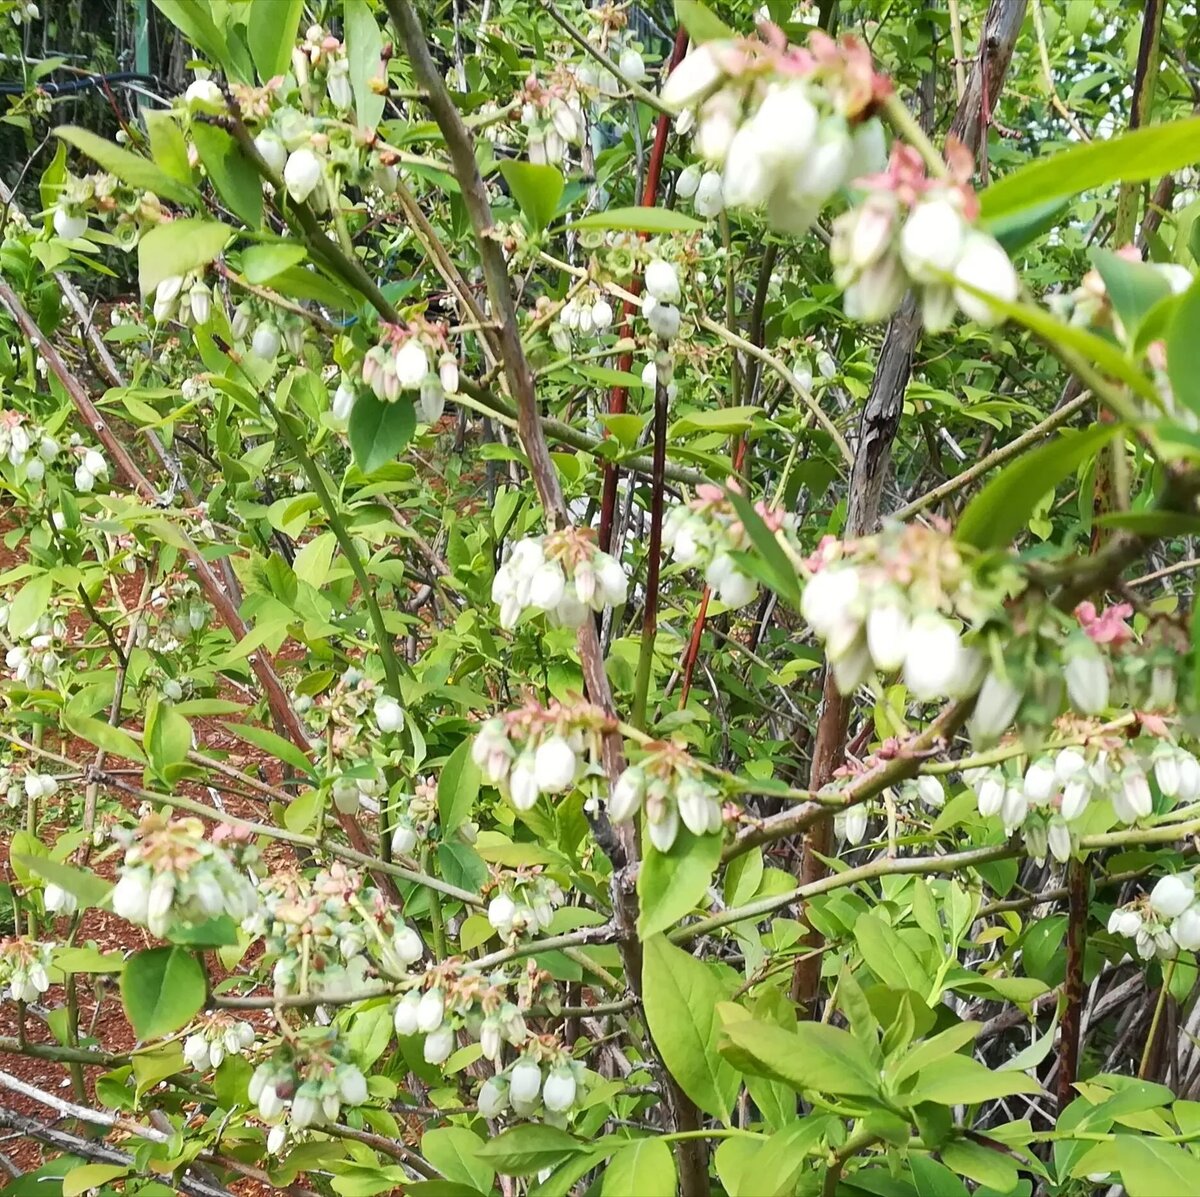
x: 645, y: 220
x: 103, y: 735
x: 1133, y: 287
x: 1100, y: 352
x: 168, y: 147
x: 781, y: 571
x: 1147, y: 1168
x: 177, y: 247
x: 957, y: 1079
x: 523, y: 1150
x: 812, y: 1057
x: 932, y: 1179
x: 87, y: 960
x: 194, y: 20
x: 271, y: 33
x: 268, y: 741
x: 645, y: 1167
x: 219, y: 932
x: 670, y: 884
x: 701, y: 23
x: 140, y: 173
x: 151, y: 1067
x: 1143, y: 154
x: 364, y: 47
x: 163, y: 989
x: 995, y: 515
x: 1017, y: 229
x: 1152, y: 523
x: 90, y: 1176
x: 536, y: 188
x: 454, y: 1152
x: 681, y: 995
x: 888, y: 956
x: 1183, y: 350
x: 87, y: 888
x: 378, y: 430
x: 458, y: 788
x: 985, y: 1165
x: 234, y: 176
x: 29, y: 606
x: 930, y: 1051
x: 262, y: 263
x: 167, y: 738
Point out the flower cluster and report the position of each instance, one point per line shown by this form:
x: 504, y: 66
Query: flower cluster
x: 788, y: 126
x: 893, y: 602
x: 269, y: 334
x: 552, y: 115
x: 321, y: 931
x: 1078, y: 656
x: 450, y: 999
x: 321, y: 59
x: 668, y: 782
x: 912, y: 231
x: 1164, y: 924
x: 707, y: 531
x: 1046, y: 800
x: 33, y: 785
x: 524, y: 904
x: 183, y: 297
x: 704, y: 188
x: 30, y: 449
x: 220, y: 1036
x: 39, y: 662
x: 541, y: 1080
x: 173, y: 876
x: 402, y: 361
x: 563, y: 574
x: 307, y: 1082
x: 182, y: 612
x: 587, y: 313
x: 537, y: 750
x: 24, y: 969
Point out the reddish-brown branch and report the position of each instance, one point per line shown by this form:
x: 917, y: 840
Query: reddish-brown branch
x: 1069, y: 1035
x: 619, y: 394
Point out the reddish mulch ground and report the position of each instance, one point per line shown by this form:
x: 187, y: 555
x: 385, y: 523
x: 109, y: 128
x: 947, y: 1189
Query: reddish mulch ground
x: 102, y: 1019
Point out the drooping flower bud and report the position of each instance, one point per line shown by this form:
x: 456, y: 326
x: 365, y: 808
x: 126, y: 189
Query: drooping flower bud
x: 1086, y: 675
x: 709, y: 200
x: 559, y: 1091
x: 266, y: 341
x: 1172, y: 895
x: 273, y: 151
x: 302, y: 173
x: 984, y: 265
x: 688, y: 181
x: 554, y: 765
x: 627, y: 795
x: 696, y: 76
x: 412, y: 364
x: 69, y: 225
x: 525, y: 1080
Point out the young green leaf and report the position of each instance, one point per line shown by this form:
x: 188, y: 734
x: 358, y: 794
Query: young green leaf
x: 163, y: 989
x: 178, y: 247
x: 681, y: 995
x: 670, y: 884
x: 537, y: 189
x: 998, y: 512
x: 379, y: 430
x: 1143, y: 154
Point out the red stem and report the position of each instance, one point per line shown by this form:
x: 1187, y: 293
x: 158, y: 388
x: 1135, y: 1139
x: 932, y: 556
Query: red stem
x: 618, y: 395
